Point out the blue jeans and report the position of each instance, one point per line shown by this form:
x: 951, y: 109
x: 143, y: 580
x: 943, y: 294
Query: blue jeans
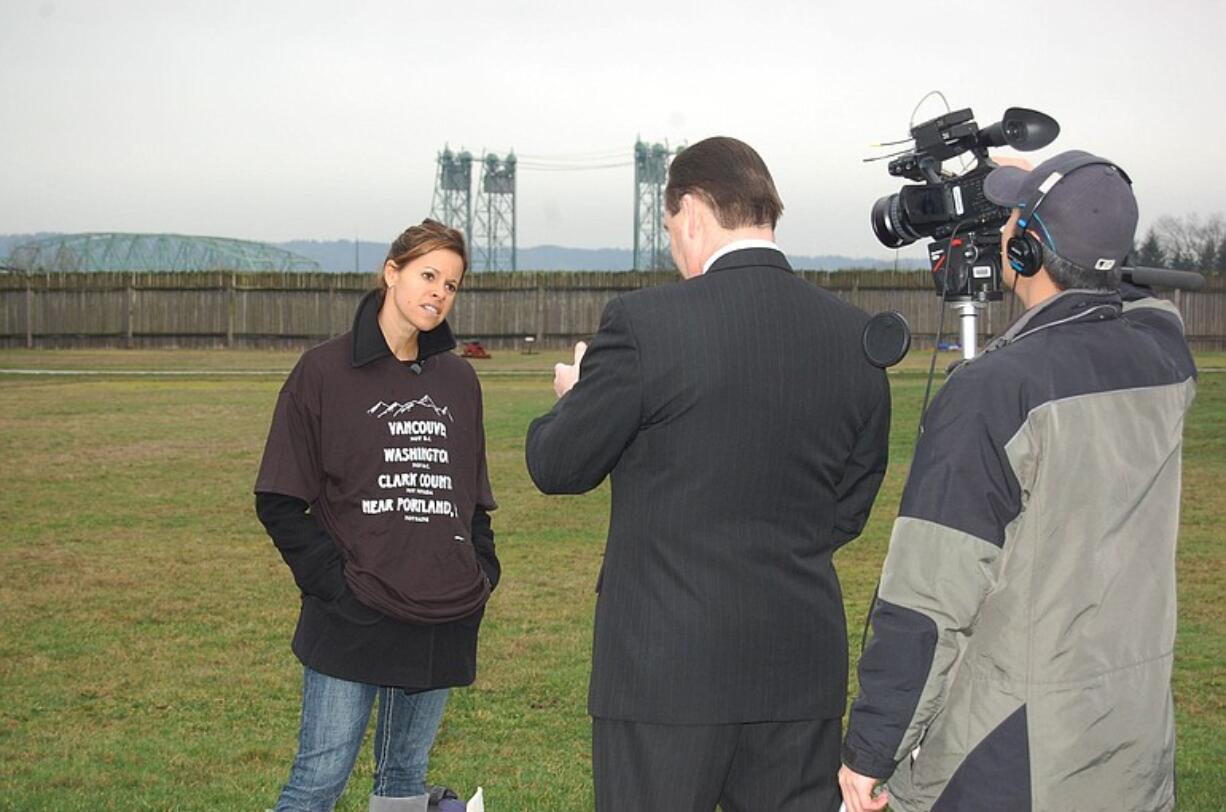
x: 335, y: 713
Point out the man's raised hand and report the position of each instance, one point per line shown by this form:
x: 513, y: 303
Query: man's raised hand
x: 566, y: 376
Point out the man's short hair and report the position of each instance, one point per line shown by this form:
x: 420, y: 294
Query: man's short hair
x: 1068, y: 276
x: 730, y: 177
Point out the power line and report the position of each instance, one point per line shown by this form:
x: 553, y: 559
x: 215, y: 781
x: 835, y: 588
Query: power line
x: 593, y: 155
x: 546, y: 167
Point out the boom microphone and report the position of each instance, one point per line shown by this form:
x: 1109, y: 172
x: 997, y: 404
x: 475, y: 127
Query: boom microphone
x: 1162, y: 278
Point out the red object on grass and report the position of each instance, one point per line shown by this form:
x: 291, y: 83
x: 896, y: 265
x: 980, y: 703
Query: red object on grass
x: 473, y: 349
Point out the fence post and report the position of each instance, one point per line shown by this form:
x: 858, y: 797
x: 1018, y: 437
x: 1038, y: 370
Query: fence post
x: 29, y: 314
x: 540, y: 307
x: 332, y: 306
x: 231, y: 307
x: 129, y: 308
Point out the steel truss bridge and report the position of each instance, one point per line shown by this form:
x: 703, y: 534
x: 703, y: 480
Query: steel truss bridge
x: 489, y: 227
x: 151, y: 252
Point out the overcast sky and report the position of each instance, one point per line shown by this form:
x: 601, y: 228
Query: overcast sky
x: 306, y: 119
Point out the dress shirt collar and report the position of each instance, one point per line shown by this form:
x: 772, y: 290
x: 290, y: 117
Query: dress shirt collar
x: 737, y: 245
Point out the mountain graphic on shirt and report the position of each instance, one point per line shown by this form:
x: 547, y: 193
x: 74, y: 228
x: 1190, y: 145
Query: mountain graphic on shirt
x: 395, y: 408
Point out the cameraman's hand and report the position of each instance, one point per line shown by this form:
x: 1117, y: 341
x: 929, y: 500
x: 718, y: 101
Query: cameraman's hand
x: 1008, y: 160
x: 565, y: 376
x: 858, y: 791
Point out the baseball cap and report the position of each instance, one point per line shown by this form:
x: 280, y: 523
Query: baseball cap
x: 1085, y: 212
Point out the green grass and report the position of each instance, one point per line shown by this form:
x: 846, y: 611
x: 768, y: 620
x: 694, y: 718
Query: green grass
x: 145, y: 617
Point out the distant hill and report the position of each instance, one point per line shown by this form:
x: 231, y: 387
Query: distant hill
x: 338, y: 256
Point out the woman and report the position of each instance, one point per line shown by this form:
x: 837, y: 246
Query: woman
x: 374, y: 488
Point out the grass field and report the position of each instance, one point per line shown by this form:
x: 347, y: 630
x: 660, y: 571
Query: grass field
x: 145, y: 617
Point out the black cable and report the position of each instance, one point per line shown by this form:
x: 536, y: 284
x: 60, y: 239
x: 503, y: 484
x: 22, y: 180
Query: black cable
x: 868, y: 617
x: 936, y: 344
x: 936, y: 348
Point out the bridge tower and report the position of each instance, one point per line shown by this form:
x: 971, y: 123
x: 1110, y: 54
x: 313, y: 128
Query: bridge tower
x: 453, y: 192
x: 651, y: 252
x: 494, y: 244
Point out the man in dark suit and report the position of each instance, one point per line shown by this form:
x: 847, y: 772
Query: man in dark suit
x: 746, y: 436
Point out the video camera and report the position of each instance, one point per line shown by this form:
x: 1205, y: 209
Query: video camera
x: 951, y: 209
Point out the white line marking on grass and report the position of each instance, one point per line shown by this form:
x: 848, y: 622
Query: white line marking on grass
x: 146, y: 372
x: 183, y: 373
x: 206, y: 373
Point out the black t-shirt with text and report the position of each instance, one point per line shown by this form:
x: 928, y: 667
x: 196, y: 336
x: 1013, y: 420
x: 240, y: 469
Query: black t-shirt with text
x: 392, y: 463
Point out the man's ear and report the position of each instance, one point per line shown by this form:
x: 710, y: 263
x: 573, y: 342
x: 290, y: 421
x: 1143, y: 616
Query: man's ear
x: 691, y: 212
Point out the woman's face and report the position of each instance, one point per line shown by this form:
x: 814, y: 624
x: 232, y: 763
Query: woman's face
x: 423, y: 290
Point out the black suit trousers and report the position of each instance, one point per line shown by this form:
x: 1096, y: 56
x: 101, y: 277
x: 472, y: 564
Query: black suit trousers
x: 751, y: 767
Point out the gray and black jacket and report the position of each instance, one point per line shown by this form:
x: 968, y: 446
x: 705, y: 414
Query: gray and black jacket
x: 1023, y: 638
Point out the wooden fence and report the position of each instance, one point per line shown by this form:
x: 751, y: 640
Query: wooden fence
x: 222, y: 309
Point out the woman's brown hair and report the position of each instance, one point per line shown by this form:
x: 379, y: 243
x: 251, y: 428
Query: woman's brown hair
x: 419, y: 240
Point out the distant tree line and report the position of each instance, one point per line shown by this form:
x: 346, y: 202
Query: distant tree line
x: 1184, y: 243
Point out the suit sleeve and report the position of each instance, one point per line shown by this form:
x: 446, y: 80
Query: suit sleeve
x: 943, y: 560
x: 862, y: 477
x: 575, y: 446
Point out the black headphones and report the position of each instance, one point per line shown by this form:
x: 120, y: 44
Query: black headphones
x: 1024, y: 249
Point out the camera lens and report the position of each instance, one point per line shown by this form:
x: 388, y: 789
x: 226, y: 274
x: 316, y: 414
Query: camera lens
x: 887, y: 222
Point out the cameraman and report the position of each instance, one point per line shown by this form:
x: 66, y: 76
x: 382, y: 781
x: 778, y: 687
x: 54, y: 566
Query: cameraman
x: 1023, y: 637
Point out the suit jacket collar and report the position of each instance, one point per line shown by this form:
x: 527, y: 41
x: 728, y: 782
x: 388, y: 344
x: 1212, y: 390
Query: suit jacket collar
x: 751, y: 257
x: 370, y: 345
